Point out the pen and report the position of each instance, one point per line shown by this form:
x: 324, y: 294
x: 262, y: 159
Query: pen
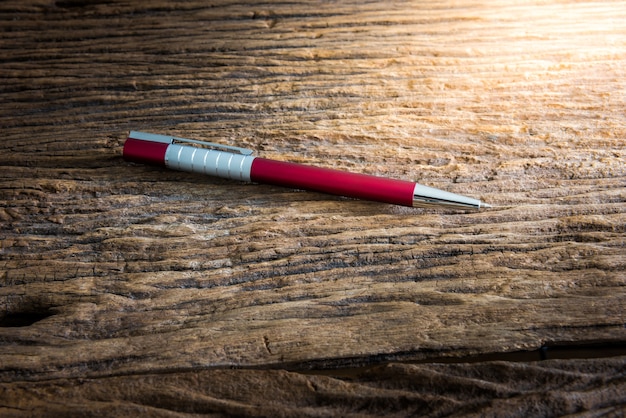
x: 239, y: 164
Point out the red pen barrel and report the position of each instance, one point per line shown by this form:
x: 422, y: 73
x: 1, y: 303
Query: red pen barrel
x: 145, y: 152
x: 359, y: 186
x: 238, y: 164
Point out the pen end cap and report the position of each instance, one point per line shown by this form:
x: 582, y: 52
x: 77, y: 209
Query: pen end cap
x: 146, y: 152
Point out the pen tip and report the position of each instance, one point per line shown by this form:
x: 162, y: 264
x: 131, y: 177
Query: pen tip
x: 485, y: 205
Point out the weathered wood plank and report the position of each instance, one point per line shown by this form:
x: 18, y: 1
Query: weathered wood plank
x: 554, y: 387
x: 109, y: 268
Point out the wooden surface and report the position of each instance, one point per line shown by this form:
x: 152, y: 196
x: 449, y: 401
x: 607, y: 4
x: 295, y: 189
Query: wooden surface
x: 127, y: 288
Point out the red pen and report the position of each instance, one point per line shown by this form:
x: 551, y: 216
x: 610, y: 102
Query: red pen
x: 239, y: 164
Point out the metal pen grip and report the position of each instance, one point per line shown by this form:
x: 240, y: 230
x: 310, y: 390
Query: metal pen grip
x: 209, y: 161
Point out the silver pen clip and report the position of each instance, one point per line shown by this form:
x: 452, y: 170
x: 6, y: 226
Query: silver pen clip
x: 166, y: 139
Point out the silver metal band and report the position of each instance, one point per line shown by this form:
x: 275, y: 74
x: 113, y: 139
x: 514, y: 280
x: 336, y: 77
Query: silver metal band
x: 211, y: 162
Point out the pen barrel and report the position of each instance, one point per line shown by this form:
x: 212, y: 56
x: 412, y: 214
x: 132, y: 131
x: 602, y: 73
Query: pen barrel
x: 359, y: 186
x: 209, y: 161
x: 145, y: 152
x: 237, y: 164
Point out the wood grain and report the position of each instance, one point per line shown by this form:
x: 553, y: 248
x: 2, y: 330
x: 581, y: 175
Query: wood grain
x: 484, y: 389
x: 120, y: 272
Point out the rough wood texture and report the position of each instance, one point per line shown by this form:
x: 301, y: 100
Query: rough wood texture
x: 485, y: 389
x: 115, y: 276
